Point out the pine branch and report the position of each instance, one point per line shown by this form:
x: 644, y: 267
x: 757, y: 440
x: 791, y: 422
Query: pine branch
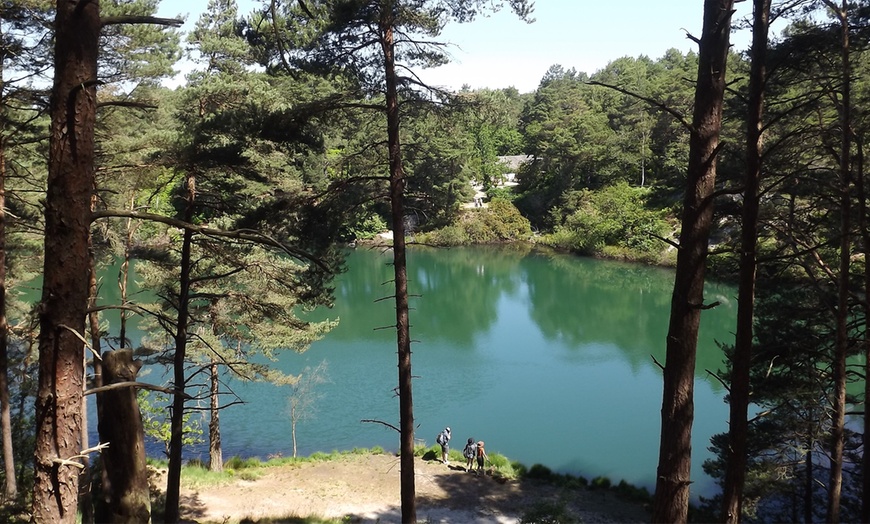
x: 130, y: 19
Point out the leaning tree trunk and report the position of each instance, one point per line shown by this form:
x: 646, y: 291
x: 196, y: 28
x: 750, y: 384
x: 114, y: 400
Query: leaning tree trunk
x: 735, y: 464
x: 671, y: 501
x: 842, y: 329
x: 403, y: 336
x: 128, y: 499
x: 65, y: 283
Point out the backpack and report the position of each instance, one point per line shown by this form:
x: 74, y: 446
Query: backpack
x: 470, y: 450
x: 440, y: 438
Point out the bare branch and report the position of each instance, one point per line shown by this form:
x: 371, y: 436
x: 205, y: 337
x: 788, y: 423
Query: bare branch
x: 717, y: 377
x: 381, y: 422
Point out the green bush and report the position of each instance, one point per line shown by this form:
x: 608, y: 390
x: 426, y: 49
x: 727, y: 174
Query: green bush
x: 613, y: 218
x: 367, y: 227
x: 539, y: 471
x: 501, y: 192
x: 548, y: 512
x: 600, y: 483
x: 446, y: 236
x: 237, y: 462
x: 501, y: 221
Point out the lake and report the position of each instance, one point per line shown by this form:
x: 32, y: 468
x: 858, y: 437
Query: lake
x: 549, y: 358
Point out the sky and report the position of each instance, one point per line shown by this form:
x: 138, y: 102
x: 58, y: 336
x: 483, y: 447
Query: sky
x: 501, y: 51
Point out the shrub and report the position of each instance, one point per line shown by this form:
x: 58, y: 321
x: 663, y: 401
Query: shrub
x: 237, y: 462
x: 446, y: 236
x: 501, y: 192
x: 632, y: 492
x: 499, y: 222
x: 505, y: 220
x: 548, y: 512
x: 613, y: 217
x: 600, y: 483
x: 539, y: 471
x: 367, y: 227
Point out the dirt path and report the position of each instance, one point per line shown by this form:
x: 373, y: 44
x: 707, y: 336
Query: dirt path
x: 366, y: 488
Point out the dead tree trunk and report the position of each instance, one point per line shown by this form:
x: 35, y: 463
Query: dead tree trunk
x: 65, y: 285
x: 671, y: 503
x: 127, y: 499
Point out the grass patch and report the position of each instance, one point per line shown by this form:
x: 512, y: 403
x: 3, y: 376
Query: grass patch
x: 548, y: 512
x: 237, y: 462
x: 197, y: 476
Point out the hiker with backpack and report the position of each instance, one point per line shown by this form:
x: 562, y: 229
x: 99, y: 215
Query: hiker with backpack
x: 469, y: 453
x: 443, y: 439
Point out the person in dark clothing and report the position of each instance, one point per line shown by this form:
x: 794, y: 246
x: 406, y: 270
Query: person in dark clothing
x: 469, y: 453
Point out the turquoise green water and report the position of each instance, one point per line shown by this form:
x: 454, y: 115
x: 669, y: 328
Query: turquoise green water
x: 548, y: 358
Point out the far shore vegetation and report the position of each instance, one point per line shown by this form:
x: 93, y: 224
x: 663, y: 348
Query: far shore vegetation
x: 614, y: 222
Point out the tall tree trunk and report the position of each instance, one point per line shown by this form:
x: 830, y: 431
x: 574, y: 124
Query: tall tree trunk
x: 735, y: 467
x: 671, y: 503
x: 403, y: 336
x: 173, y: 476
x: 65, y: 284
x: 10, y: 491
x: 88, y: 485
x: 124, y: 276
x: 842, y: 336
x: 865, y: 236
x: 215, y: 456
x: 23, y: 378
x: 128, y: 499
x: 809, y: 483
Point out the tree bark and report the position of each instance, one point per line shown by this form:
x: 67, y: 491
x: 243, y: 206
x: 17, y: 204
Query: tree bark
x: 403, y: 336
x: 671, y: 501
x: 735, y: 464
x: 88, y: 486
x: 65, y: 283
x: 173, y: 476
x: 865, y: 236
x: 842, y: 329
x: 10, y: 491
x: 215, y: 456
x: 128, y: 499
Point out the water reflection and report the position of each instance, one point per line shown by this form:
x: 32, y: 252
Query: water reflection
x: 549, y: 358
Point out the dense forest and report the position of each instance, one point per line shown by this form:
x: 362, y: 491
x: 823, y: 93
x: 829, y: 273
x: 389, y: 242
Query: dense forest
x: 303, y: 129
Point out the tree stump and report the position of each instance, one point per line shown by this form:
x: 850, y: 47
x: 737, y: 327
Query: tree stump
x: 126, y: 498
